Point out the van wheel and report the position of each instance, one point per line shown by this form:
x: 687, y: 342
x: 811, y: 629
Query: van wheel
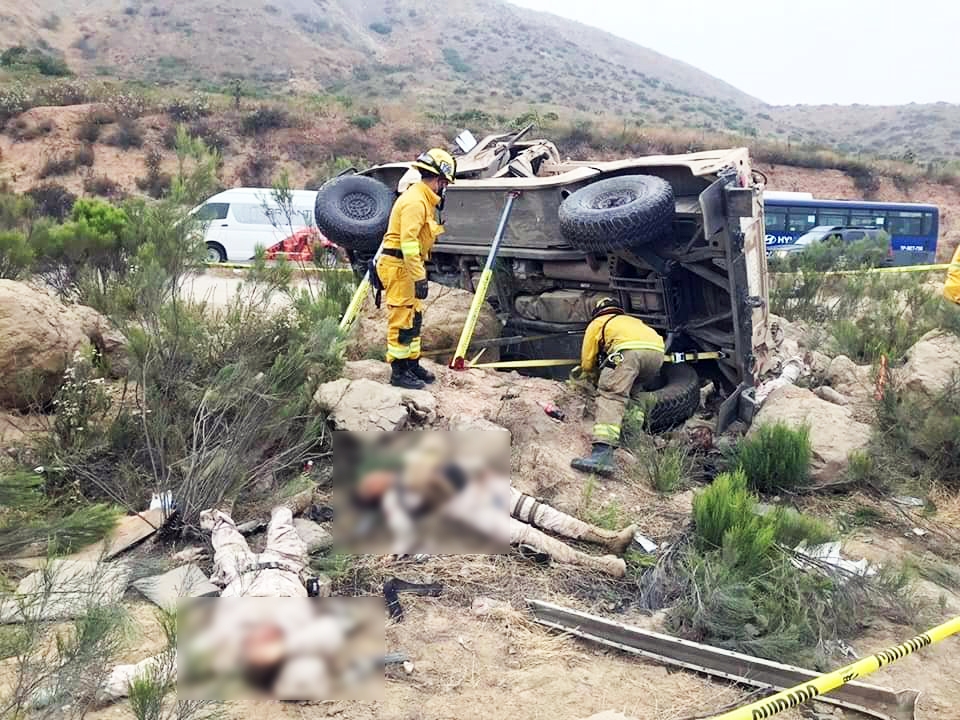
x: 353, y: 211
x: 676, y: 397
x: 216, y: 253
x: 618, y: 213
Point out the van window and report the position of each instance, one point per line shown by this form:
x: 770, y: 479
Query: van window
x: 251, y: 215
x: 213, y: 211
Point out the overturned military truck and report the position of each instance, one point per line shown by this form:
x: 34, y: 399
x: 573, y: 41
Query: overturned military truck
x: 679, y: 239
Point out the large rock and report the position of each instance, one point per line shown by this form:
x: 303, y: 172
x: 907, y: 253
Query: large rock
x: 364, y: 405
x: 932, y: 364
x: 38, y: 338
x: 444, y: 314
x: 834, y: 433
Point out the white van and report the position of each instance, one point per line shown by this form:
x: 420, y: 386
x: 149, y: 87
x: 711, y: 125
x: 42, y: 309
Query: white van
x: 242, y: 219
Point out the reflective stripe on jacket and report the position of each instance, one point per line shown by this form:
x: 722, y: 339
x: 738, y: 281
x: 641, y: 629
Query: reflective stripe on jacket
x: 413, y: 228
x: 621, y: 332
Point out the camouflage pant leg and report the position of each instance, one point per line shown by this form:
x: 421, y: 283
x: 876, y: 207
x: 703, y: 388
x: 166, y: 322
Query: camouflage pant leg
x: 231, y: 552
x: 529, y: 510
x: 283, y: 541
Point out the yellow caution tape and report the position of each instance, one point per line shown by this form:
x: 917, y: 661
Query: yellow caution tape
x: 669, y: 358
x: 904, y: 268
x: 309, y: 269
x: 809, y: 690
x: 526, y: 364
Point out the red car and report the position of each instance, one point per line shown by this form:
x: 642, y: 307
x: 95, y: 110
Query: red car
x: 304, y: 244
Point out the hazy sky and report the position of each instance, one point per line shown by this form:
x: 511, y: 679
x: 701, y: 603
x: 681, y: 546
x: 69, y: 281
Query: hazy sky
x: 801, y: 51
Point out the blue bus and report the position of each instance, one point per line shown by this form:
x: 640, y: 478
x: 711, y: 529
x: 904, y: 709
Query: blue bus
x: 913, y: 228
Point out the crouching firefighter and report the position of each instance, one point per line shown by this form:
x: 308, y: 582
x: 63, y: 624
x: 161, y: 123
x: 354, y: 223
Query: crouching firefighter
x: 413, y: 229
x: 625, y: 350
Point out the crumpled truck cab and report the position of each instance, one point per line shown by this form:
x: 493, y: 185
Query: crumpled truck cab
x: 678, y: 239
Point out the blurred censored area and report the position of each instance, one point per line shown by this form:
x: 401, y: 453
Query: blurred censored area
x: 290, y: 648
x: 433, y: 492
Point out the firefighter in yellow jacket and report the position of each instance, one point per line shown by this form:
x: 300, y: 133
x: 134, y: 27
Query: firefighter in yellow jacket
x: 625, y: 350
x: 411, y: 234
x: 951, y: 288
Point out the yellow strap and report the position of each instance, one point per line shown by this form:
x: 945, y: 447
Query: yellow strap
x: 763, y: 709
x: 671, y: 358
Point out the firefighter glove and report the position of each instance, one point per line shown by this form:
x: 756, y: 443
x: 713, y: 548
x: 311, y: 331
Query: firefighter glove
x: 420, y: 289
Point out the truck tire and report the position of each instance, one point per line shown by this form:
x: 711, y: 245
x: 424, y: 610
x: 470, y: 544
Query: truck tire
x: 677, y: 395
x: 618, y: 213
x: 353, y: 212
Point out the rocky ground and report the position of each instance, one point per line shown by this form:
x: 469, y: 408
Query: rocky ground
x: 468, y: 662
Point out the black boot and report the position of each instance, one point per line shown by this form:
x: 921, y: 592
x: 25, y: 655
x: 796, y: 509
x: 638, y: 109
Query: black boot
x: 600, y: 461
x: 421, y: 372
x: 402, y: 377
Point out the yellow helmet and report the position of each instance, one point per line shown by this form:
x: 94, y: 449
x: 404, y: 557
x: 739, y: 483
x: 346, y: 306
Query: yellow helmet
x: 438, y: 162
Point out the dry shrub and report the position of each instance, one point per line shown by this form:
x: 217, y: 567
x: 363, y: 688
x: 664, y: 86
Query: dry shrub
x: 102, y: 186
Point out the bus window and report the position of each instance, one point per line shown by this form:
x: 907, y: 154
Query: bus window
x: 862, y: 217
x: 906, y: 223
x: 833, y: 216
x: 928, y: 224
x: 801, y: 220
x: 776, y: 220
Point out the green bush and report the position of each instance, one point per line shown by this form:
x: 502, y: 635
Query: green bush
x: 721, y: 506
x: 776, y: 457
x: 735, y: 585
x: 365, y: 122
x: 20, y: 57
x: 16, y: 255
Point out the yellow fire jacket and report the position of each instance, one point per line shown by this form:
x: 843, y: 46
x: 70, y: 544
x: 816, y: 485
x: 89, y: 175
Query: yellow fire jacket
x: 620, y: 332
x: 413, y: 228
x: 951, y: 289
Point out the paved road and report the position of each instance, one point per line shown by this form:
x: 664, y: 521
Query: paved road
x: 219, y: 288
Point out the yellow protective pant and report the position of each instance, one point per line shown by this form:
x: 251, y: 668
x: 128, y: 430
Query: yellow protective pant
x: 404, y: 311
x: 613, y: 391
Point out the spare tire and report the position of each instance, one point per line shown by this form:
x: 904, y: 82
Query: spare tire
x: 676, y: 394
x: 353, y: 211
x: 618, y: 213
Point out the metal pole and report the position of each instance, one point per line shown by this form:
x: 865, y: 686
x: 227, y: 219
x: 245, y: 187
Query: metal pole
x: 459, y: 359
